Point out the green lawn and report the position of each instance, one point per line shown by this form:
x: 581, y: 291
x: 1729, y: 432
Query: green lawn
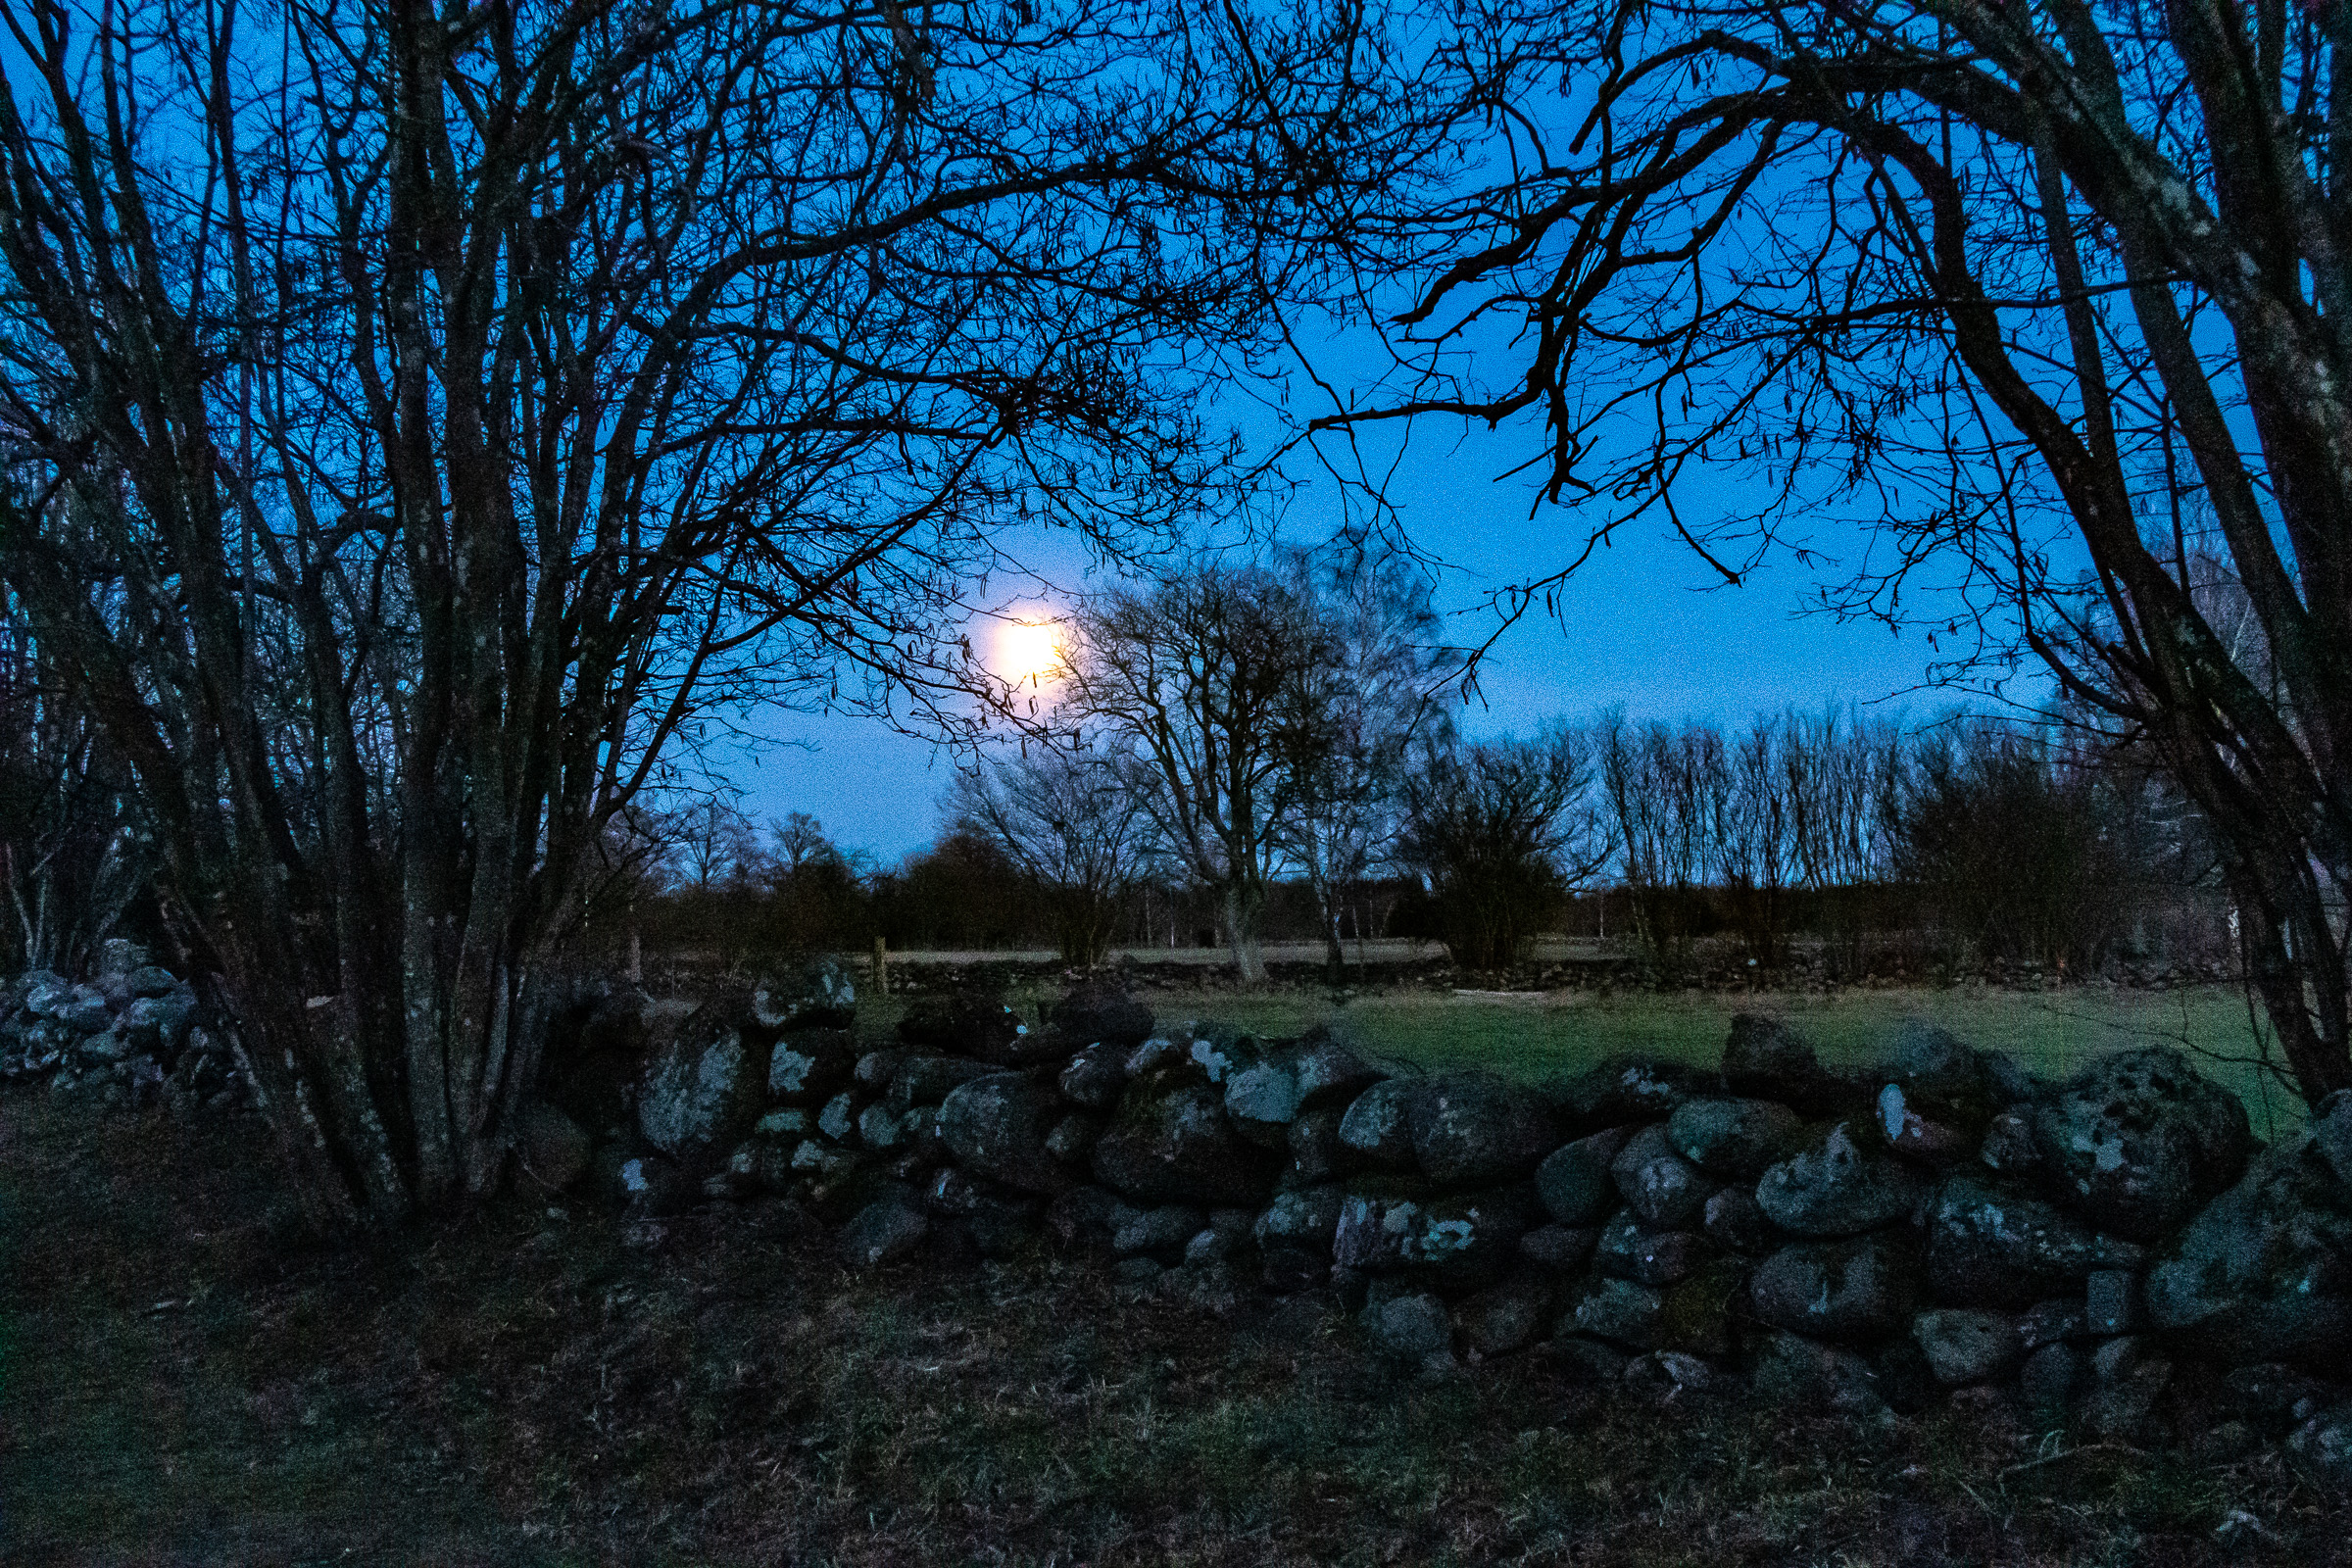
x: 1552, y: 1032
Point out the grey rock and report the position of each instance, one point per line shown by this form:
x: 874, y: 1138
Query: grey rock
x: 551, y: 1147
x: 1472, y: 1128
x: 2117, y: 1359
x: 1305, y: 1218
x: 823, y: 1162
x: 759, y: 1166
x: 1330, y: 1073
x: 1990, y: 1247
x: 883, y: 1232
x: 1163, y: 1229
x: 1102, y: 1011
x: 2050, y: 1376
x: 1967, y: 1345
x: 1766, y: 1060
x: 1917, y: 1136
x: 151, y: 980
x: 2111, y: 1302
x: 876, y: 1069
x: 1940, y: 1074
x: 928, y: 1080
x: 120, y: 955
x: 1623, y: 1313
x: 818, y: 994
x: 1843, y: 1185
x: 102, y: 1048
x: 85, y: 1011
x: 1464, y: 1241
x: 1666, y: 1190
x: 2264, y: 1273
x: 46, y: 994
x: 2049, y: 1322
x: 1096, y: 1077
x: 1854, y: 1289
x: 1369, y: 1234
x: 1377, y: 1131
x: 2121, y: 1408
x: 1626, y: 1089
x: 1083, y: 1216
x: 1575, y: 1182
x: 2139, y: 1139
x: 884, y: 1130
x: 1506, y: 1317
x: 1152, y: 1054
x: 787, y: 1125
x: 1628, y: 1251
x: 1801, y: 1373
x: 839, y: 1119
x: 1072, y: 1139
x: 1561, y: 1249
x: 1171, y: 1143
x: 1735, y: 1221
x: 701, y: 1092
x: 996, y: 1127
x: 2323, y: 1444
x: 1410, y: 1328
x: 1314, y: 1141
x: 1734, y: 1139
x: 1210, y: 1246
x: 2008, y: 1146
x: 968, y: 1022
x: 1261, y: 1100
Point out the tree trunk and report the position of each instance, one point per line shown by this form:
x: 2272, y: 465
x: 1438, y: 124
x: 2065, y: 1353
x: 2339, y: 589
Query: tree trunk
x: 1243, y: 906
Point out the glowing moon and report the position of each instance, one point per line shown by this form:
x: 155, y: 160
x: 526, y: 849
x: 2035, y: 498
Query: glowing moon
x: 1028, y: 650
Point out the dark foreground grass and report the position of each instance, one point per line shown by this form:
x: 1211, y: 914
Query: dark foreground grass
x: 181, y: 1383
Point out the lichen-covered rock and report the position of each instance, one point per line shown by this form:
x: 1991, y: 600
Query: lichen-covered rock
x: 809, y: 1066
x: 1171, y: 1143
x: 2138, y: 1139
x: 701, y: 1092
x: 1942, y: 1078
x: 1096, y: 1077
x: 996, y: 1127
x: 1621, y: 1312
x: 1992, y: 1247
x: 2264, y: 1273
x: 927, y: 1080
x: 1473, y: 1128
x: 1377, y: 1131
x: 1261, y: 1100
x: 1843, y: 1183
x: 969, y: 1022
x: 1663, y: 1188
x: 1625, y: 1090
x: 1071, y: 1140
x: 838, y: 1119
x: 2008, y: 1144
x: 1734, y: 1139
x: 1313, y: 1143
x: 44, y: 993
x: 1465, y: 1240
x: 1736, y: 1222
x: 1967, y: 1345
x: 1918, y: 1136
x: 1330, y: 1072
x: 1630, y: 1250
x: 818, y: 995
x: 1575, y: 1182
x: 1306, y: 1218
x: 1102, y: 1011
x: 1854, y: 1289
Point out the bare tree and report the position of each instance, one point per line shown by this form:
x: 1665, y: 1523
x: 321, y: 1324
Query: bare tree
x: 2019, y: 288
x: 1194, y: 676
x: 419, y: 419
x: 1354, y: 715
x: 1075, y: 821
x: 1668, y: 792
x: 1502, y: 831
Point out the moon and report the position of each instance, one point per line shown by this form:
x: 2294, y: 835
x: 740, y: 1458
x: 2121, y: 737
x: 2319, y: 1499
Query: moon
x: 1028, y: 650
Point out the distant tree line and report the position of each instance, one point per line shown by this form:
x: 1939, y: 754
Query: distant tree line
x: 1255, y: 751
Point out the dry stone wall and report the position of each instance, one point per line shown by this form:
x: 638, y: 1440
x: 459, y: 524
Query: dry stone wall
x: 2116, y: 1252
x: 131, y: 1035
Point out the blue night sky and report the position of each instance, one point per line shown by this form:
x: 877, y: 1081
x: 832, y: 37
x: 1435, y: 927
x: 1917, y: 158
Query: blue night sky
x: 1644, y: 624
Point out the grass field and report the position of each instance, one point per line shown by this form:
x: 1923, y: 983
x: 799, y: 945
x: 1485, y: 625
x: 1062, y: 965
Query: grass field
x: 1539, y: 1035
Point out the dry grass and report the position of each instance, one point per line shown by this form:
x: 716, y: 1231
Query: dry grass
x: 181, y: 1383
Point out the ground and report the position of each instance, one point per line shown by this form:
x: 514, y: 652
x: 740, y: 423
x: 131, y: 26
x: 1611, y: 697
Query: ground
x: 184, y: 1380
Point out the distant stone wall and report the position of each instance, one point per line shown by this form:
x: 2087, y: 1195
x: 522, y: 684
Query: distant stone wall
x: 131, y: 1035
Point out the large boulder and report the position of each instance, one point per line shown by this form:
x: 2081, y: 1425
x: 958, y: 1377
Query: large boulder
x: 1101, y: 1011
x: 1988, y: 1246
x: 2265, y: 1272
x: 2138, y: 1139
x: 1663, y: 1188
x: 1734, y: 1139
x: 1855, y: 1288
x: 817, y: 995
x: 1096, y: 1077
x: 701, y: 1091
x: 1967, y: 1345
x: 1262, y: 1099
x: 1330, y: 1072
x: 1842, y: 1184
x: 968, y: 1022
x: 1764, y: 1059
x: 997, y: 1126
x: 1575, y: 1182
x: 1473, y: 1128
x: 1942, y: 1077
x: 884, y: 1231
x: 1377, y: 1132
x: 1172, y: 1143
